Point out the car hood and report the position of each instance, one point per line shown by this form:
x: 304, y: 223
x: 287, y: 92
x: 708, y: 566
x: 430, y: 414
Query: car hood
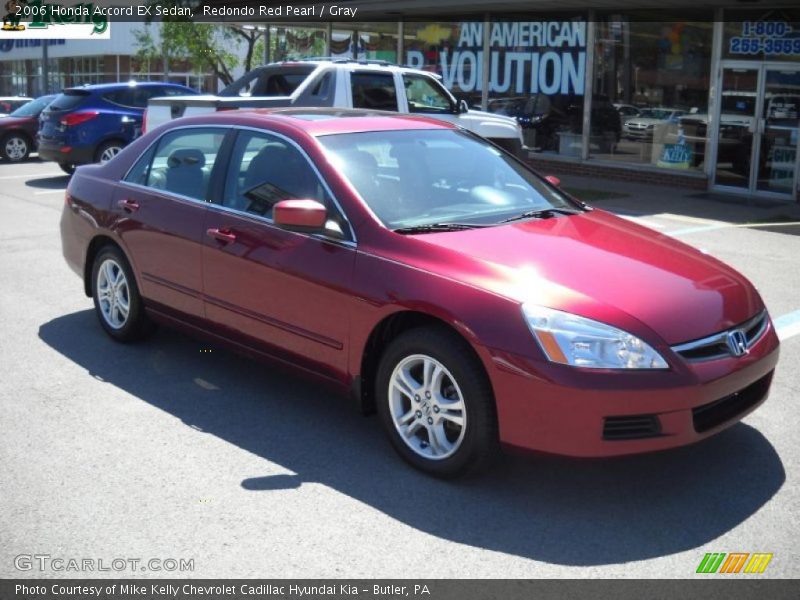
x: 487, y: 116
x: 644, y: 121
x: 600, y: 266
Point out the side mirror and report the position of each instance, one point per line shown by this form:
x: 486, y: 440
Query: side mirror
x: 552, y: 180
x: 463, y: 107
x: 299, y: 215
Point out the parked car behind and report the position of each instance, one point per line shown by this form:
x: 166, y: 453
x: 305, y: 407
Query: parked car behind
x: 626, y: 111
x: 9, y: 104
x: 543, y: 117
x: 343, y: 83
x: 18, y: 130
x: 414, y: 264
x: 643, y: 126
x: 93, y: 123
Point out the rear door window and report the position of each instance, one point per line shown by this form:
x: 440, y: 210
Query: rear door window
x: 126, y: 97
x: 271, y: 81
x: 181, y: 163
x: 133, y: 97
x: 373, y: 90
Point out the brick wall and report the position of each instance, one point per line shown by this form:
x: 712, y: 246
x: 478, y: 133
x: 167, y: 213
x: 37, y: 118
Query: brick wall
x: 605, y: 171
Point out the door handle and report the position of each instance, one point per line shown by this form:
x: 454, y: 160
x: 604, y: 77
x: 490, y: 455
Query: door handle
x: 221, y: 235
x: 128, y: 205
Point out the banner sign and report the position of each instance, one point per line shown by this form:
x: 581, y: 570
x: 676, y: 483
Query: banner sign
x: 772, y: 38
x: 547, y: 57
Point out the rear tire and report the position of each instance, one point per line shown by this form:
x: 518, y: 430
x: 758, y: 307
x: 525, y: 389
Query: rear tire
x: 15, y: 147
x: 108, y: 150
x: 68, y: 168
x: 117, y: 301
x: 431, y: 387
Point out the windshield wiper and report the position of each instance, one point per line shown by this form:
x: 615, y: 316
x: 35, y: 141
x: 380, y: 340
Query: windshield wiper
x: 435, y: 227
x: 542, y: 213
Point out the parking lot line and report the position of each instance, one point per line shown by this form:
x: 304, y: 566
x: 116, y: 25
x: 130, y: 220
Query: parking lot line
x: 40, y: 192
x: 641, y: 221
x: 689, y: 230
x: 787, y: 325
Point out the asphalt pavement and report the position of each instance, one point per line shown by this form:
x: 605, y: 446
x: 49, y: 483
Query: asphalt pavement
x: 174, y: 449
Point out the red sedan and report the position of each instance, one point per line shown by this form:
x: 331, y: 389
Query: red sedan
x: 469, y: 301
x: 18, y: 130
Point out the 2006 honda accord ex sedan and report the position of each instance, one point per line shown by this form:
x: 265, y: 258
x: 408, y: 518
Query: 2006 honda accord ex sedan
x: 418, y: 267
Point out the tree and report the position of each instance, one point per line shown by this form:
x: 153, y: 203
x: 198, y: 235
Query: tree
x: 207, y: 47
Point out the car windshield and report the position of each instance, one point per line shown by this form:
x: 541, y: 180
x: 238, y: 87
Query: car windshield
x: 33, y: 108
x: 414, y: 178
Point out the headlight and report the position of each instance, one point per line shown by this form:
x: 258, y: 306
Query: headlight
x: 580, y: 342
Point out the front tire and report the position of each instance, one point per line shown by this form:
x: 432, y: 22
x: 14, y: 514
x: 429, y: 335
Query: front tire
x: 15, y: 147
x: 117, y: 301
x: 436, y: 404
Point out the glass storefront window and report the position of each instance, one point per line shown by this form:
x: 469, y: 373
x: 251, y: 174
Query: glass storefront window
x: 651, y: 83
x: 374, y: 41
x: 772, y: 35
x: 537, y: 73
x: 293, y: 42
x: 434, y: 47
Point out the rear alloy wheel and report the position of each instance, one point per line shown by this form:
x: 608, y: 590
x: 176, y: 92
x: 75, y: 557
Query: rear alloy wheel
x: 116, y: 298
x: 436, y: 404
x: 15, y: 147
x: 107, y: 151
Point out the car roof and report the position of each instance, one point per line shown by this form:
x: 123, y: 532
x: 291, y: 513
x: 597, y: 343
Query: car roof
x: 350, y: 63
x: 328, y: 121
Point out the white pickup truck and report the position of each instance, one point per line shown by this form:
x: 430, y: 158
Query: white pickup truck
x: 374, y: 85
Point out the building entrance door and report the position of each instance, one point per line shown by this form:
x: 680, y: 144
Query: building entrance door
x: 756, y: 135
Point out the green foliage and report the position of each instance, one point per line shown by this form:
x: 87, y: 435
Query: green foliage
x: 208, y: 47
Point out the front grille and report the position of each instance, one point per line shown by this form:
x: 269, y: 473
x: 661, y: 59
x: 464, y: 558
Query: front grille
x: 631, y: 427
x: 725, y: 409
x: 718, y: 345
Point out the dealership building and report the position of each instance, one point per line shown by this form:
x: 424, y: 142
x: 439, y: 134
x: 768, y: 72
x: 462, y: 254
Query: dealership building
x: 707, y: 98
x: 80, y: 61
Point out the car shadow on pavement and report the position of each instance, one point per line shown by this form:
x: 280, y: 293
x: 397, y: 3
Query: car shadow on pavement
x: 56, y: 182
x: 570, y: 512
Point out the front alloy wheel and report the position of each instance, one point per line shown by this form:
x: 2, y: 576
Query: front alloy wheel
x: 427, y: 407
x: 436, y: 403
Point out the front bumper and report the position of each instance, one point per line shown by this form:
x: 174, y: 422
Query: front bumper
x: 638, y: 134
x: 562, y: 410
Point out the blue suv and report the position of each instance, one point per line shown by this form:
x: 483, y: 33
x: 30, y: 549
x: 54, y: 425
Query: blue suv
x: 92, y: 123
